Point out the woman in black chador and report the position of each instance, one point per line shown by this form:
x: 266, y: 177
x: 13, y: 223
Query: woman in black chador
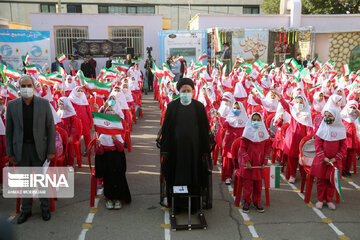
x: 185, y: 148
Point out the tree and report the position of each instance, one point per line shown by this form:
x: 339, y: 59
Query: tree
x: 316, y: 7
x: 270, y: 6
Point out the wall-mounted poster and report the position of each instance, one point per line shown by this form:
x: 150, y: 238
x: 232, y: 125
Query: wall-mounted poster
x: 14, y: 44
x: 189, y: 44
x: 251, y: 44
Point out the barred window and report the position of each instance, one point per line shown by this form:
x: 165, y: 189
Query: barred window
x: 65, y: 36
x: 47, y: 8
x: 124, y: 9
x: 134, y: 38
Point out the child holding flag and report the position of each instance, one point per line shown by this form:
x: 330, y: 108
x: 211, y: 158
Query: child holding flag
x: 110, y: 164
x: 330, y: 148
x: 253, y: 154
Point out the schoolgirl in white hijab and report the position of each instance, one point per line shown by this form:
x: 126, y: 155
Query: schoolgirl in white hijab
x: 349, y: 113
x: 334, y: 131
x: 69, y: 83
x: 237, y: 118
x: 340, y: 91
x: 120, y: 97
x: 78, y: 97
x: 301, y: 111
x: 226, y: 104
x: 255, y: 131
x: 66, y: 109
x: 317, y: 104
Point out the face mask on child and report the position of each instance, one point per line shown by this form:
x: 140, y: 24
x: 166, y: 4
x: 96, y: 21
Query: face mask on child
x: 299, y: 106
x: 236, y: 112
x: 329, y: 120
x: 255, y: 124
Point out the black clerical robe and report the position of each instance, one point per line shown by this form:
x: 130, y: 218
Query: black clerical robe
x: 185, y: 143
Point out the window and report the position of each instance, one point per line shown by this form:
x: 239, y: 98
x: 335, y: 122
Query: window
x: 123, y: 9
x: 72, y: 8
x: 65, y: 36
x: 47, y: 8
x: 251, y: 10
x: 134, y: 38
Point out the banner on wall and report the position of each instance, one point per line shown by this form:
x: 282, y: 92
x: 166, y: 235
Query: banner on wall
x: 189, y: 44
x: 14, y: 44
x: 250, y: 44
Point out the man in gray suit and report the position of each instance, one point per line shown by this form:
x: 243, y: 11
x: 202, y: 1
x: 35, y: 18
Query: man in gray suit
x: 30, y: 137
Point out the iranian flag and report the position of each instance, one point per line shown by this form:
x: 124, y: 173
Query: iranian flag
x: 294, y: 64
x: 12, y: 73
x: 180, y: 58
x: 109, y: 124
x: 217, y: 39
x: 121, y: 67
x: 158, y: 71
x: 202, y: 56
x: 61, y: 58
x: 274, y: 176
x: 316, y: 87
x: 44, y: 80
x: 168, y: 72
x: 346, y: 70
x: 55, y: 77
x: 219, y: 62
x: 2, y: 71
x: 98, y: 87
x: 330, y: 65
x: 318, y: 63
x: 109, y: 74
x: 257, y: 88
x: 12, y: 91
x: 258, y: 65
x: 31, y: 69
x: 102, y: 72
x: 288, y: 61
x: 335, y: 180
x: 26, y: 59
x: 273, y: 65
x: 174, y: 97
x: 239, y: 58
x: 200, y: 68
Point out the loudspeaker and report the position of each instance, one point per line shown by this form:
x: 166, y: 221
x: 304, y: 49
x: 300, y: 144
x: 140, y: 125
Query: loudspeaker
x: 130, y: 51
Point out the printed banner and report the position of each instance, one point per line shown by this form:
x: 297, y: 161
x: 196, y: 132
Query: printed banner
x: 14, y: 44
x: 250, y: 44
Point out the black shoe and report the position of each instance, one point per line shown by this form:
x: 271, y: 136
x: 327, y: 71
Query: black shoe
x: 246, y: 207
x: 344, y: 174
x: 46, y: 215
x: 23, y: 217
x: 259, y: 208
x: 348, y: 174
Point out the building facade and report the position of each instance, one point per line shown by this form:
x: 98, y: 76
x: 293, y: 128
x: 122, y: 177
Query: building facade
x: 176, y: 14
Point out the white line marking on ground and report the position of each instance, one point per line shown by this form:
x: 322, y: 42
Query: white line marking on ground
x: 82, y: 234
x: 90, y: 218
x: 11, y: 218
x: 167, y: 221
x: 317, y: 211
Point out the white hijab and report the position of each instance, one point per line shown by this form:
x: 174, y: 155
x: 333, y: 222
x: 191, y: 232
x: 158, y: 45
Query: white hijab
x: 77, y: 98
x: 332, y: 132
x: 55, y: 115
x: 333, y: 102
x: 346, y: 113
x: 255, y: 135
x: 343, y: 100
x: 107, y: 141
x: 2, y: 127
x: 303, y: 116
x: 69, y: 86
x: 281, y: 111
x: 270, y: 104
x: 318, y: 106
x: 121, y: 98
x: 225, y: 108
x: 237, y: 121
x: 240, y: 91
x: 68, y: 110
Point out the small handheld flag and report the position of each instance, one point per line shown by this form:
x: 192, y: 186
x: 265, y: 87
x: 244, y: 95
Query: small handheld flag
x: 335, y: 180
x: 26, y: 59
x: 61, y: 58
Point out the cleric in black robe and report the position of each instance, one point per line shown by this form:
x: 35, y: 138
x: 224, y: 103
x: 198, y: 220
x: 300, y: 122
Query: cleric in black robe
x: 185, y: 147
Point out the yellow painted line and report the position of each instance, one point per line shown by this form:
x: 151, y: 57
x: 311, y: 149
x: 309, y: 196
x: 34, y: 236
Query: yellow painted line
x: 256, y: 238
x: 99, y: 196
x: 231, y: 192
x: 326, y: 220
x: 86, y: 226
x: 93, y: 210
x: 248, y: 223
x: 239, y: 207
x: 166, y: 226
x: 310, y: 205
x: 348, y: 180
x: 165, y: 209
x: 296, y: 190
x: 13, y: 214
x: 358, y: 189
x: 343, y: 237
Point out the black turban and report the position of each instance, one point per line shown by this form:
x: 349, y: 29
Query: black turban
x: 184, y: 81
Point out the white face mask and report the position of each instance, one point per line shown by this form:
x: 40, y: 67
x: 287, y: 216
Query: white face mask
x: 27, y: 92
x: 79, y: 94
x: 351, y: 111
x: 299, y: 106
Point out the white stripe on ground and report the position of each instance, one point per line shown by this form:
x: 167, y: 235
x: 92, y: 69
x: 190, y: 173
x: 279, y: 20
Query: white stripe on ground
x: 317, y: 211
x: 11, y: 218
x: 166, y: 221
x: 83, y: 234
x: 245, y: 216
